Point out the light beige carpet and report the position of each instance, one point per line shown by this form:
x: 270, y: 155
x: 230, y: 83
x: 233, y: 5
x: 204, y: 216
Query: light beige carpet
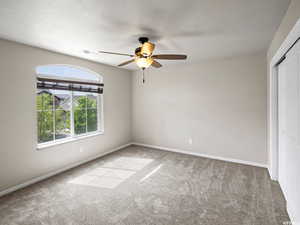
x: 142, y: 186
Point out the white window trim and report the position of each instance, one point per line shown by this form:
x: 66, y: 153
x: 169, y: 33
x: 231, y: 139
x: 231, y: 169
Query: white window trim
x: 68, y: 140
x: 74, y: 137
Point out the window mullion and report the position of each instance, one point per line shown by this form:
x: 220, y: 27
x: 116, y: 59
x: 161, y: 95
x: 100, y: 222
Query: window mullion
x: 53, y: 112
x: 72, y: 116
x: 86, y: 126
x: 99, y: 111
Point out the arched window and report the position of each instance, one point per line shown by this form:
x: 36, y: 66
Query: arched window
x: 69, y: 103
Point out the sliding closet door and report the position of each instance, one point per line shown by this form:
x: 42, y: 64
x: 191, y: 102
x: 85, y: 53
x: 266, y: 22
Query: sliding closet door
x: 282, y: 129
x: 289, y: 129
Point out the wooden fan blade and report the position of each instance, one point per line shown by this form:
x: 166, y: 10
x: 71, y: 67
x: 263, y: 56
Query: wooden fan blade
x: 156, y: 64
x: 170, y: 57
x: 127, y: 62
x: 115, y: 53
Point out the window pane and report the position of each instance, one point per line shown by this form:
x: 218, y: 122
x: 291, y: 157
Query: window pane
x: 39, y: 102
x: 79, y: 100
x: 44, y: 100
x: 64, y: 113
x: 80, y: 121
x: 92, y: 101
x: 62, y: 100
x: 62, y: 124
x: 91, y: 120
x: 67, y: 72
x: 45, y: 126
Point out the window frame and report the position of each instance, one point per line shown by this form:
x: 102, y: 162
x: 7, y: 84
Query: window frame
x: 73, y: 136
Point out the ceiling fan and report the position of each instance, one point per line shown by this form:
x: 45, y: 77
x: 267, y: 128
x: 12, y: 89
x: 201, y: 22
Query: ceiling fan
x: 144, y: 57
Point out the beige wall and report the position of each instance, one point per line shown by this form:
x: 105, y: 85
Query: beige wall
x: 291, y: 17
x: 19, y: 159
x: 220, y: 105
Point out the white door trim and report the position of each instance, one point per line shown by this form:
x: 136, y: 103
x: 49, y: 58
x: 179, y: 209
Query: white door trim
x: 273, y: 100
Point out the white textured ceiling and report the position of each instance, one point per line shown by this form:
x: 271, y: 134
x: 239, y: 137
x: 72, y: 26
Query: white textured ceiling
x: 203, y: 29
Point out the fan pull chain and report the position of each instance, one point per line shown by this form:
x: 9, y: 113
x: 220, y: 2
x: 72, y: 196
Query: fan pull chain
x: 143, y: 75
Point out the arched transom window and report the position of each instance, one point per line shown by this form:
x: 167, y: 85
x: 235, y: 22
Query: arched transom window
x: 68, y: 103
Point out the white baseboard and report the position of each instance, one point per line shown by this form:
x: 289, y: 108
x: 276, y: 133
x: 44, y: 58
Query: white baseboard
x: 270, y: 173
x: 292, y: 214
x: 43, y: 177
x: 202, y: 155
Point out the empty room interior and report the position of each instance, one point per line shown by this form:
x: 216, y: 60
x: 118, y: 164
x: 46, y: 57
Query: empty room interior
x: 150, y: 112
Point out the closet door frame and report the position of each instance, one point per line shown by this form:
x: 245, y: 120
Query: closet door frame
x: 272, y: 144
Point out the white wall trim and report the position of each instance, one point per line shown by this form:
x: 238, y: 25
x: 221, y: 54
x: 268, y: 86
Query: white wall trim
x: 273, y: 101
x: 43, y: 177
x: 201, y: 155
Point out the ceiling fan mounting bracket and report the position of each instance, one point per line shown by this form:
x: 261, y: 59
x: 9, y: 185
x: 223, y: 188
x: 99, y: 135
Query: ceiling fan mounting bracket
x: 142, y: 40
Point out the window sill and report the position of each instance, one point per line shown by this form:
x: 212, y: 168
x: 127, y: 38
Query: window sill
x: 68, y: 140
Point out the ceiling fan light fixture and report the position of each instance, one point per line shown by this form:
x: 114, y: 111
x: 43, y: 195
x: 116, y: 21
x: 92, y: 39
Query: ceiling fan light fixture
x: 147, y: 48
x: 144, y: 62
x: 143, y: 55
